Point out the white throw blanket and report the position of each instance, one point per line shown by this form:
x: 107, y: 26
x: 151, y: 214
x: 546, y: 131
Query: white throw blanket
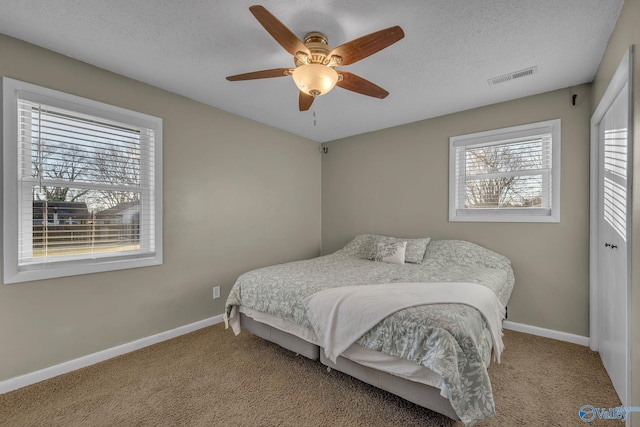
x: 340, y: 316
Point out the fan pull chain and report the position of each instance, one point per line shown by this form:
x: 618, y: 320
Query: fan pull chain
x: 314, y: 118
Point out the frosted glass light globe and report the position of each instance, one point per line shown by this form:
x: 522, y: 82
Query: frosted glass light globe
x: 315, y: 79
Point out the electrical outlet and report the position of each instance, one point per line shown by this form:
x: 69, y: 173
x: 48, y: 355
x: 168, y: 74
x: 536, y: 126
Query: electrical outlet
x: 216, y: 292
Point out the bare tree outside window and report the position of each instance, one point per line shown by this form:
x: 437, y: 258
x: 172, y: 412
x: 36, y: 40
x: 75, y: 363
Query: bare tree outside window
x: 121, y: 166
x: 57, y: 162
x: 499, y: 176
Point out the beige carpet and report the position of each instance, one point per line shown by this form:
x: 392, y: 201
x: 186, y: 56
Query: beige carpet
x: 212, y: 378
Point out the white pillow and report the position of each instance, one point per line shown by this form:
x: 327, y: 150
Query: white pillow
x: 416, y: 248
x: 392, y: 252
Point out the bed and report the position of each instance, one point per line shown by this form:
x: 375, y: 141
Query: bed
x: 435, y: 355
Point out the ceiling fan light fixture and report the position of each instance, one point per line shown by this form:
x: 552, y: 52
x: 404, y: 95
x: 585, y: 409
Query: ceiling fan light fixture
x: 315, y: 59
x: 315, y: 79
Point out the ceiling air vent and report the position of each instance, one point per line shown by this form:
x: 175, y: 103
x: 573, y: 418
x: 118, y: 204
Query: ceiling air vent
x: 515, y: 75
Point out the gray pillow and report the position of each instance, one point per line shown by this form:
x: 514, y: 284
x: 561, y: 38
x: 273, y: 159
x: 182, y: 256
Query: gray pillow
x: 362, y: 246
x: 392, y: 252
x: 416, y: 248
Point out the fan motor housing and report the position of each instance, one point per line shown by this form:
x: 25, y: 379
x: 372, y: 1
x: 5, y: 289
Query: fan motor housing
x: 318, y: 45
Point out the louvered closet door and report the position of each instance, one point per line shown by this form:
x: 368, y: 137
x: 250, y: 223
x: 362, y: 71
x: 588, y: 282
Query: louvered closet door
x: 612, y: 240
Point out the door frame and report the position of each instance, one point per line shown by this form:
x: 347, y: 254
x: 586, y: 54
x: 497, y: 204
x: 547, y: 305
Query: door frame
x: 622, y: 76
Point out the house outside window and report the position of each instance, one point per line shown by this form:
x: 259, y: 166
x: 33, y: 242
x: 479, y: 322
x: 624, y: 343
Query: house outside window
x: 83, y: 185
x: 506, y: 175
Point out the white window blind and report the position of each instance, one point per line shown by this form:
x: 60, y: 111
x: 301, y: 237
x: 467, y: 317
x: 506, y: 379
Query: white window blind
x: 505, y: 175
x: 615, y: 180
x: 86, y: 185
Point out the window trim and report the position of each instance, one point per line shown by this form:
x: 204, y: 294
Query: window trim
x: 10, y: 223
x: 495, y: 136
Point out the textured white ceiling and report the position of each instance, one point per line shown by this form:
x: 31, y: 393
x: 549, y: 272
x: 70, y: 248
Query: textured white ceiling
x: 450, y: 49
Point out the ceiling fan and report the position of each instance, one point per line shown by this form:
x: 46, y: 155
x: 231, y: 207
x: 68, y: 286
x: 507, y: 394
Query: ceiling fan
x: 315, y: 60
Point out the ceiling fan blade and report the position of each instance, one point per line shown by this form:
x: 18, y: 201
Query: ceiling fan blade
x: 305, y: 101
x: 264, y: 74
x: 357, y: 84
x: 360, y: 48
x: 279, y: 31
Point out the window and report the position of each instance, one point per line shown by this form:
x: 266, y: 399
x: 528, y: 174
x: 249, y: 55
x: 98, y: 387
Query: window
x: 506, y: 175
x: 82, y: 185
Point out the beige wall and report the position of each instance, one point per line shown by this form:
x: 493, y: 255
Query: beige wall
x: 395, y: 182
x: 237, y: 195
x: 625, y: 34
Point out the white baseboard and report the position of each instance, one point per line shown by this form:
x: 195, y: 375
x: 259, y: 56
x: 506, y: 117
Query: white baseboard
x: 81, y: 362
x: 547, y: 333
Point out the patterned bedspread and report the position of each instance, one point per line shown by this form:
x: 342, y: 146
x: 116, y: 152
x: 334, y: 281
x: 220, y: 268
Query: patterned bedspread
x: 450, y: 339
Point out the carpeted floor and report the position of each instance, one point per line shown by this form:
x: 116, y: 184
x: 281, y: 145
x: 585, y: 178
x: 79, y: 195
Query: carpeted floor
x: 212, y: 378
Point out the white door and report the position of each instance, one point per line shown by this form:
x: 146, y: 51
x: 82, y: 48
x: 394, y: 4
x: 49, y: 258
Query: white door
x: 613, y: 203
